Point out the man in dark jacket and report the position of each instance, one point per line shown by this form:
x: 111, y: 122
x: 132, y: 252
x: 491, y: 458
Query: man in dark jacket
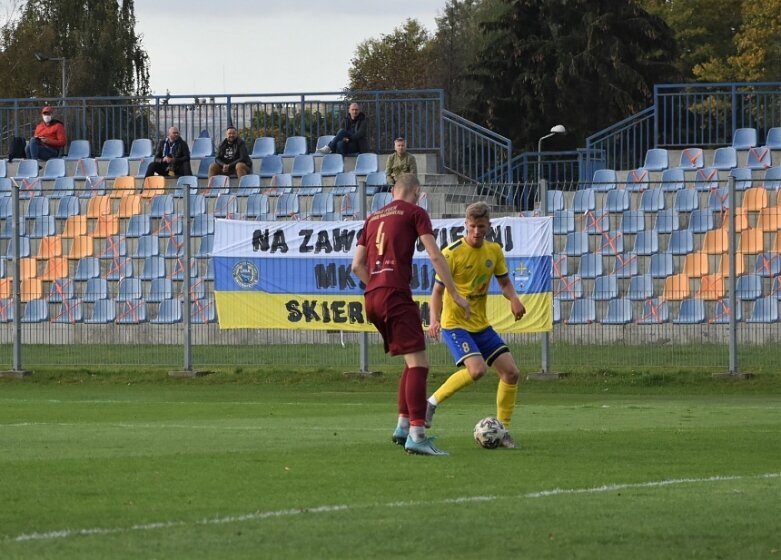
x: 172, y: 157
x: 353, y: 136
x: 232, y: 156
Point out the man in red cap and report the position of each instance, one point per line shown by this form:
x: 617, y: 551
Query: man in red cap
x: 49, y: 137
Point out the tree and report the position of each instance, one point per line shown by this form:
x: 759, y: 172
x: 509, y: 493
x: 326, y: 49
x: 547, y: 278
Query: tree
x: 399, y: 60
x: 583, y: 63
x: 97, y: 37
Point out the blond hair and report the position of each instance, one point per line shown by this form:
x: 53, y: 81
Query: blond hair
x: 478, y: 210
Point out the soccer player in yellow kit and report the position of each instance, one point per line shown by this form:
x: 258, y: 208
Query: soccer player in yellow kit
x: 474, y: 344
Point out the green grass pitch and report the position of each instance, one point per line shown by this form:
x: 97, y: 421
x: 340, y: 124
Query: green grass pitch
x: 300, y: 465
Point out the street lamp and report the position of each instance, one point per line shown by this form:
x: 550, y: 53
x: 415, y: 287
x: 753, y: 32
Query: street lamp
x: 543, y: 190
x: 40, y: 57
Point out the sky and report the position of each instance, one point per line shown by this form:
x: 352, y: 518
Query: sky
x: 264, y: 46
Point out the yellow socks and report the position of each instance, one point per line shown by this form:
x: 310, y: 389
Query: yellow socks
x: 454, y: 383
x: 505, y: 402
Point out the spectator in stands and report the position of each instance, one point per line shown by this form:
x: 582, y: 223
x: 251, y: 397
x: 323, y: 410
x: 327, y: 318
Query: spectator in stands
x: 400, y: 162
x: 352, y: 137
x: 49, y: 137
x: 232, y: 156
x: 172, y: 157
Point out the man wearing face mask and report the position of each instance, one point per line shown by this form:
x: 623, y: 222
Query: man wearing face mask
x: 49, y: 137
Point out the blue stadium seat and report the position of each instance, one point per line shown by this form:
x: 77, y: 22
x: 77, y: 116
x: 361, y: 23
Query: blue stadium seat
x: 748, y: 287
x: 138, y: 225
x: 611, y: 244
x: 686, y: 200
x: 216, y: 185
x: 37, y: 206
x: 376, y: 182
x: 652, y: 200
x: 295, y: 146
x: 322, y: 141
x: 78, y: 149
x: 5, y: 187
x: 117, y: 167
x: 153, y: 267
x: 691, y: 312
x: 667, y: 221
x: 86, y: 268
x: 348, y: 206
x: 186, y: 183
x: 129, y: 289
x: 95, y: 290
x: 759, y: 158
x: 345, y: 182
x: 71, y: 311
x: 280, y: 183
x: 203, y: 311
x: 331, y: 165
x: 202, y: 224
x: 584, y: 312
x: 656, y: 159
x: 560, y: 265
x: 725, y: 158
x: 303, y: 164
x: 202, y: 148
x: 322, y: 206
x: 768, y: 265
x: 772, y: 180
x: 590, y: 265
x: 718, y: 200
x: 626, y: 265
x: 6, y: 310
x: 226, y: 206
x: 637, y: 180
x: 61, y: 289
x: 178, y: 274
x: 556, y: 311
x: 563, y: 222
x: 143, y: 165
x: 28, y: 168
x: 161, y: 205
x: 706, y: 179
x: 270, y: 166
x: 174, y: 247
x: 655, y: 311
x: 597, y: 222
x: 132, y: 312
x: 576, y: 244
x: 773, y: 139
x: 203, y: 167
x: 169, y: 312
x: 568, y: 288
x: 604, y: 180
x: 744, y: 138
x: 103, y: 311
x: 691, y: 158
x: 555, y: 200
x: 673, y: 179
x: 112, y: 148
x: 263, y: 146
x: 661, y: 265
x: 722, y: 312
x: 36, y: 311
x: 160, y: 289
x: 147, y: 246
x: 24, y: 241
x: 584, y: 201
x: 120, y: 267
x: 258, y: 207
x: 248, y: 185
x: 205, y: 247
x: 742, y: 178
x: 140, y: 148
x: 379, y: 200
x: 681, y: 242
x: 701, y: 220
x: 632, y: 221
x: 287, y: 206
x: 54, y: 168
x: 63, y: 186
x: 311, y: 183
x: 366, y: 163
x: 617, y: 200
x: 764, y: 310
x: 619, y: 312
x: 605, y: 287
x: 170, y: 224
x: 641, y: 287
x: 85, y: 167
x: 43, y: 226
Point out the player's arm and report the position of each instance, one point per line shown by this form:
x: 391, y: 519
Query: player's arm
x: 508, y: 291
x: 443, y: 270
x: 436, y: 310
x: 359, y: 267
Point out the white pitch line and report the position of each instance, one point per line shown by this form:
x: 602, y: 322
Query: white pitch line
x: 259, y: 515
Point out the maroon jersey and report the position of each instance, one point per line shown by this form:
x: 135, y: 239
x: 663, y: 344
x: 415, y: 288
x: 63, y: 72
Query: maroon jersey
x: 389, y: 236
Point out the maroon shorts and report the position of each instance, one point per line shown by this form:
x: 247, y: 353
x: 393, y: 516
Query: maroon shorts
x: 397, y: 318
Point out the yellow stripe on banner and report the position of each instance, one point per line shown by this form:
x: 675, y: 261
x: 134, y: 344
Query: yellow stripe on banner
x: 260, y: 310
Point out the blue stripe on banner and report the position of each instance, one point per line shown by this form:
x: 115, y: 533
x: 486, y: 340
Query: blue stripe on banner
x: 280, y: 275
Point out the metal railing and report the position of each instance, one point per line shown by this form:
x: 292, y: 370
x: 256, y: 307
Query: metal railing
x: 473, y: 152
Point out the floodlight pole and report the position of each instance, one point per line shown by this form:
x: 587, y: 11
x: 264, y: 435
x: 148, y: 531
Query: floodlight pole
x: 542, y: 190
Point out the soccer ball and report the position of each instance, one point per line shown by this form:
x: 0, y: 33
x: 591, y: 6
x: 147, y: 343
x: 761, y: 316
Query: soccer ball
x: 489, y: 433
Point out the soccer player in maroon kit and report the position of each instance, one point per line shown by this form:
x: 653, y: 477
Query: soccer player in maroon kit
x: 383, y: 262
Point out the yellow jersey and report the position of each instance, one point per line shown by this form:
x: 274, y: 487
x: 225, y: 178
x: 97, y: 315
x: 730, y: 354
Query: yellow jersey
x: 472, y: 269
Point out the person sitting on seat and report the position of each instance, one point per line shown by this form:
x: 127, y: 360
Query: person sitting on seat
x: 400, y: 162
x: 172, y: 157
x: 48, y: 139
x: 232, y: 156
x: 352, y: 137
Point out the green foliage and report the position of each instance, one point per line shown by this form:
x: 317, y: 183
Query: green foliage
x: 97, y: 37
x: 587, y: 63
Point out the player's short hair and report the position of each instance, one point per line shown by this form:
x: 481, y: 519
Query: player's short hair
x: 478, y: 210
x: 406, y: 182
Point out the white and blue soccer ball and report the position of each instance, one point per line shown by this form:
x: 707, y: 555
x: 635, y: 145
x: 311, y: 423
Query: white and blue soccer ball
x: 489, y: 432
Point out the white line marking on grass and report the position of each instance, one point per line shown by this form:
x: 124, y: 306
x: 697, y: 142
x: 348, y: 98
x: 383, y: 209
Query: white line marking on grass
x: 259, y: 515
